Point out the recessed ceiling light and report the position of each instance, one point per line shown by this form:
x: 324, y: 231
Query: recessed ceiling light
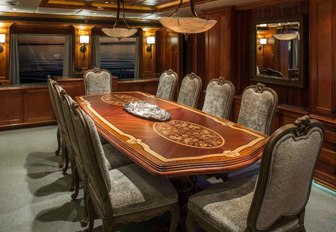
x: 107, y: 2
x: 14, y: 9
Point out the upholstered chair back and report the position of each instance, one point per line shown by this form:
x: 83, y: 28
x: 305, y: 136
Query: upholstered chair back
x: 52, y: 98
x: 190, y: 90
x: 66, y: 102
x: 257, y: 108
x: 285, y: 176
x: 218, y: 98
x: 97, y: 81
x: 95, y: 164
x: 61, y: 116
x: 167, y: 85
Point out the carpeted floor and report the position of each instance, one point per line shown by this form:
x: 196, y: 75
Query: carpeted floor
x: 35, y: 196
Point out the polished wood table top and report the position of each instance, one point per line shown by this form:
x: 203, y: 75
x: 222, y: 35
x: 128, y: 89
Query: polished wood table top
x: 191, y: 142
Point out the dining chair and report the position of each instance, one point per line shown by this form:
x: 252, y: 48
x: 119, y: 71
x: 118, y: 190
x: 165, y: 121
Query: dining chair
x: 66, y: 148
x: 276, y: 200
x: 54, y: 107
x: 53, y: 104
x: 167, y: 85
x: 257, y: 108
x: 124, y: 194
x: 219, y: 97
x: 115, y: 158
x: 190, y: 90
x: 97, y: 81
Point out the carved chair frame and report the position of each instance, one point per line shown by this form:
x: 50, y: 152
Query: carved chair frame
x: 298, y: 130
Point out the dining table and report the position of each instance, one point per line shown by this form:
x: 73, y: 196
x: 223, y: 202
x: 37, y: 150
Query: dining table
x: 186, y: 142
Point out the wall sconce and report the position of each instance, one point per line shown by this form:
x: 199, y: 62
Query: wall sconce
x: 84, y: 40
x: 150, y: 42
x: 2, y: 41
x: 262, y: 42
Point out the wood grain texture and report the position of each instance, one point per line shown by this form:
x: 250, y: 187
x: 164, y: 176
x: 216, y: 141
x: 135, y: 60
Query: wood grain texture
x: 322, y: 59
x: 147, y: 85
x: 37, y: 106
x: 138, y: 140
x: 11, y: 107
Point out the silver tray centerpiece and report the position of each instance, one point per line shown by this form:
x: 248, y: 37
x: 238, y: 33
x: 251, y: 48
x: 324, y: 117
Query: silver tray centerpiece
x: 146, y: 110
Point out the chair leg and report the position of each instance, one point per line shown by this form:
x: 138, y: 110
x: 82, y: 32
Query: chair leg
x: 63, y: 148
x: 85, y: 220
x: 57, y: 152
x: 175, y: 218
x: 107, y: 226
x: 66, y: 160
x: 90, y: 210
x: 190, y: 223
x: 76, y: 181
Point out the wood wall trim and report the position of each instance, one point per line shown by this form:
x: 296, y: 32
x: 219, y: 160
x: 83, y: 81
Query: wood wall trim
x: 48, y: 18
x: 265, y: 3
x: 33, y: 28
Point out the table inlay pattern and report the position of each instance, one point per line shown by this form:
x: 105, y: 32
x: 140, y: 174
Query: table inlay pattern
x: 189, y: 134
x: 118, y: 99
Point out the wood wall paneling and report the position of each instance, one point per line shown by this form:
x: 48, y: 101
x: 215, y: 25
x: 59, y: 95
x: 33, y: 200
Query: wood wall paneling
x: 148, y: 85
x: 209, y: 55
x: 169, y: 51
x: 73, y: 86
x: 323, y: 83
x: 322, y: 60
x: 148, y: 60
x: 37, y: 106
x: 11, y: 106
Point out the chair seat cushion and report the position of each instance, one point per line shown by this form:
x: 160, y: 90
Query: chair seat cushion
x: 226, y: 206
x: 135, y: 190
x: 114, y: 157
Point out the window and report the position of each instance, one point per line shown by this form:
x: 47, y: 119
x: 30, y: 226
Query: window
x: 119, y: 56
x: 40, y: 56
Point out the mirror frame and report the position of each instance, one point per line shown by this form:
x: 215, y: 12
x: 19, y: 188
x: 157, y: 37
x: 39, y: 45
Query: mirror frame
x: 302, y: 56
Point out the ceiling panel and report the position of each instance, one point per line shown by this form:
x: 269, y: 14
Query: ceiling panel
x: 141, y: 9
x: 56, y: 11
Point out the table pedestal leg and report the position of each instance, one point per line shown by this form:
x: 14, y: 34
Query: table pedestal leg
x: 185, y: 186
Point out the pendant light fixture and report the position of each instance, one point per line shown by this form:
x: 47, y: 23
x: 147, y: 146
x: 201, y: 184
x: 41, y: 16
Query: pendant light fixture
x: 187, y: 25
x: 288, y: 32
x: 119, y: 32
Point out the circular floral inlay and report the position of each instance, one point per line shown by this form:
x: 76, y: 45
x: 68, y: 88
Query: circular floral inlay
x: 189, y: 134
x: 118, y: 99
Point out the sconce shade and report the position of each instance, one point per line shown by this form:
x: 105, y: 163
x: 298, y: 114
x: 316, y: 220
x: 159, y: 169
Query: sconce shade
x: 119, y: 32
x: 150, y: 40
x: 263, y: 41
x: 2, y: 38
x: 84, y: 39
x: 187, y: 25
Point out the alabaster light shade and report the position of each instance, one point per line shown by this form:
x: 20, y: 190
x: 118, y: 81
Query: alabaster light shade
x: 2, y: 38
x: 119, y: 32
x: 84, y: 39
x: 187, y: 25
x: 285, y: 36
x: 263, y: 41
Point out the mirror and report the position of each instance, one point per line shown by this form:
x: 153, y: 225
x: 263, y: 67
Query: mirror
x: 278, y: 51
